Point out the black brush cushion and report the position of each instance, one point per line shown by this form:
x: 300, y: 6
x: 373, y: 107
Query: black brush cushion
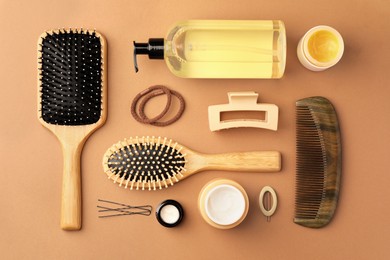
x: 146, y: 162
x: 71, y: 78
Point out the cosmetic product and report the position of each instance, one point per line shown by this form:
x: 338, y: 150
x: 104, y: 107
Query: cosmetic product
x: 150, y: 163
x: 243, y: 101
x: 318, y: 163
x: 223, y: 203
x: 220, y: 49
x: 72, y: 89
x: 150, y: 93
x: 268, y: 201
x: 169, y: 213
x: 320, y: 48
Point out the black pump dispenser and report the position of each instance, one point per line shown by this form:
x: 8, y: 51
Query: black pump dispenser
x: 154, y: 48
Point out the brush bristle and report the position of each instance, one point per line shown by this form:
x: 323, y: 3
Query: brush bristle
x: 70, y: 65
x: 145, y: 163
x: 318, y: 164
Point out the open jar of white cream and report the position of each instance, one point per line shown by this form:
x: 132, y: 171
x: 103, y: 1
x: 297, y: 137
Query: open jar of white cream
x: 223, y: 203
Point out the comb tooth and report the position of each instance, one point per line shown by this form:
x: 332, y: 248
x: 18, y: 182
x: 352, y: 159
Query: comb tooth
x: 133, y: 146
x: 170, y: 179
x: 121, y: 181
x: 145, y: 143
x: 164, y: 181
x: 168, y: 145
x: 152, y: 142
x: 132, y: 185
x: 158, y: 182
x: 179, y: 150
x: 179, y: 170
x: 127, y: 181
x: 110, y: 174
x: 174, y: 176
x: 173, y: 148
x: 116, y: 178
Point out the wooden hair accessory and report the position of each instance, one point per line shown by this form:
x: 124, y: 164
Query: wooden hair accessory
x: 267, y: 198
x: 243, y: 101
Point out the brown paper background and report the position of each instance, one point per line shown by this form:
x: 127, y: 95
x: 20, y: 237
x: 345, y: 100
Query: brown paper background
x: 31, y: 157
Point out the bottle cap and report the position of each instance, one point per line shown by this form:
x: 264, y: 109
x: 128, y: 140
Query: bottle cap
x: 154, y: 48
x: 320, y: 48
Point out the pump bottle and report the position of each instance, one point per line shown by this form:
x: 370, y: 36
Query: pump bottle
x: 220, y: 49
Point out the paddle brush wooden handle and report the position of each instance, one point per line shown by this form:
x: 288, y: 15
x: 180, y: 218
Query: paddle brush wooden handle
x: 263, y: 161
x: 71, y: 187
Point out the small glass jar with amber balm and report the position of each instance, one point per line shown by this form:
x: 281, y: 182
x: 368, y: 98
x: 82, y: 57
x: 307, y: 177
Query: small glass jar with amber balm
x: 320, y: 48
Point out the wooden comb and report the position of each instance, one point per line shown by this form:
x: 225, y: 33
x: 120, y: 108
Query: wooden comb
x: 318, y: 164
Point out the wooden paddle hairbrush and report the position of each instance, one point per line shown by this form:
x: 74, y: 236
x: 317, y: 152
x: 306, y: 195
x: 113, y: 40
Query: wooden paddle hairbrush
x: 318, y: 162
x: 71, y: 102
x: 152, y: 163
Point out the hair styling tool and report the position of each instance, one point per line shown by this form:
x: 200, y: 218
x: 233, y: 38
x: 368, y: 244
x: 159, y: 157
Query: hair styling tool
x: 150, y: 93
x: 123, y: 209
x: 243, y: 101
x: 71, y: 102
x: 318, y: 169
x: 267, y: 198
x: 152, y: 163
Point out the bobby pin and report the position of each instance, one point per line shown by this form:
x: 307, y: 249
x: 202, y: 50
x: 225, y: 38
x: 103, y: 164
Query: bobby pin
x: 124, y: 210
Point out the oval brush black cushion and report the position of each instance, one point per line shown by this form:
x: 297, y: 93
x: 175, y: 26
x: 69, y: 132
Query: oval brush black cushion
x: 71, y: 69
x: 146, y: 162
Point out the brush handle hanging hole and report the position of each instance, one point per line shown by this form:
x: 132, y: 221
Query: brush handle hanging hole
x: 268, y: 201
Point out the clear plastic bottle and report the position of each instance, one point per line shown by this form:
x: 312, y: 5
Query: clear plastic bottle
x: 221, y: 49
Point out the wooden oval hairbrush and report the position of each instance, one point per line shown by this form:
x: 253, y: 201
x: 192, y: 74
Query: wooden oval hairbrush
x: 152, y: 163
x: 71, y: 102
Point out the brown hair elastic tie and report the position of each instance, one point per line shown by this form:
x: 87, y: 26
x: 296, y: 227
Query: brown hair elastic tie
x: 150, y: 93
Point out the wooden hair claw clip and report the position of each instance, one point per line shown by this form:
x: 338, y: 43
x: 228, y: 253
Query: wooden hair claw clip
x: 243, y: 101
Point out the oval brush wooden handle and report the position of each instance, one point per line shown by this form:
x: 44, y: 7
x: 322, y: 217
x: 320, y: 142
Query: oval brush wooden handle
x: 264, y: 161
x: 71, y: 187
